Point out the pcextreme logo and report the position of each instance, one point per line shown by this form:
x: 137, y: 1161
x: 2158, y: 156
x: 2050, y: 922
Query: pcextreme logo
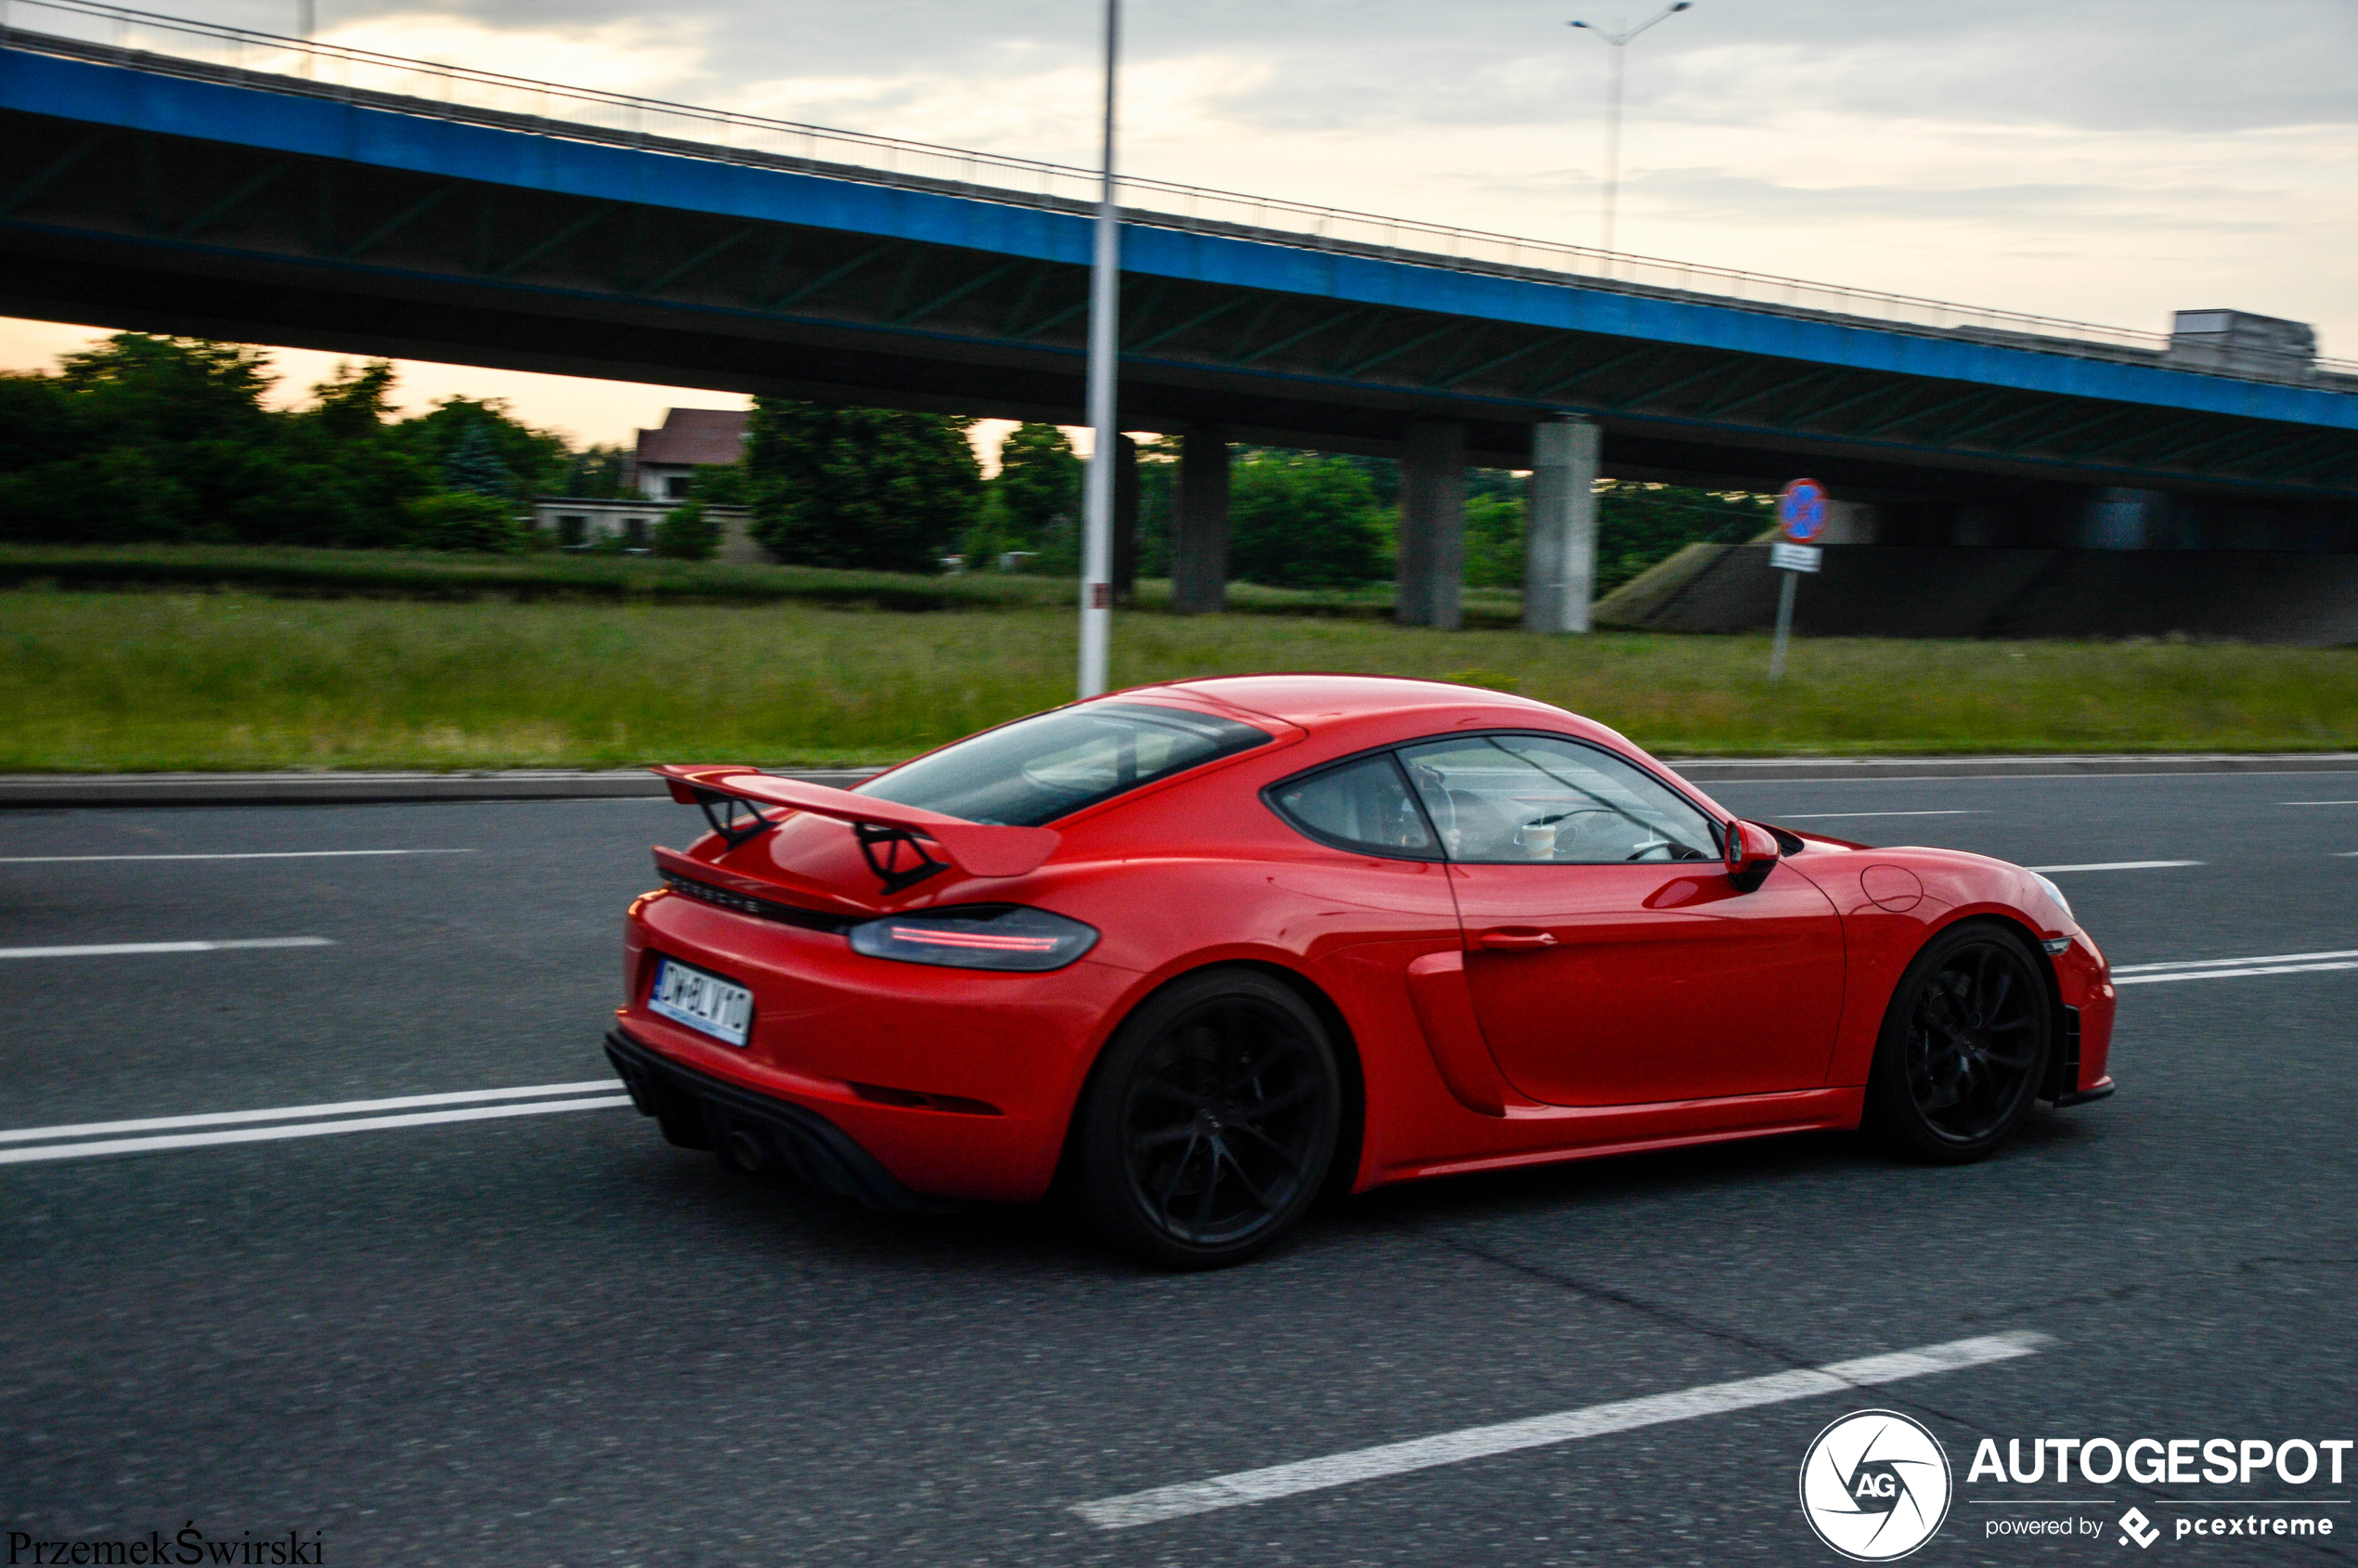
x: 1875, y: 1485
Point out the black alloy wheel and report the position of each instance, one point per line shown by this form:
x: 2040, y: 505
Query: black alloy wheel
x: 1964, y: 1045
x: 1210, y: 1122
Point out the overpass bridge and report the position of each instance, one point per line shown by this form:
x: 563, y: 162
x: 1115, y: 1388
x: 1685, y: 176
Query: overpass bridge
x: 168, y: 175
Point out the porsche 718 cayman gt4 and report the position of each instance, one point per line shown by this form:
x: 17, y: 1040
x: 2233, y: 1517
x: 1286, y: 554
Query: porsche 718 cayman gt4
x: 1211, y: 948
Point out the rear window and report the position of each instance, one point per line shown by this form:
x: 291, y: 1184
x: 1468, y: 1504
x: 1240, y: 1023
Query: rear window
x: 1030, y: 773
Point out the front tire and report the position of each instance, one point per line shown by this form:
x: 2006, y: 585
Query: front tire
x: 1209, y: 1125
x: 1963, y: 1047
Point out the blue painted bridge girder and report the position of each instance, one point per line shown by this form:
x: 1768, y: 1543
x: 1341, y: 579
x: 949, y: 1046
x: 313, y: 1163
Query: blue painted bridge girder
x: 269, y: 211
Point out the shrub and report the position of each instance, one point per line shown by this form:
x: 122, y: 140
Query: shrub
x: 686, y: 534
x: 462, y: 520
x: 1298, y: 521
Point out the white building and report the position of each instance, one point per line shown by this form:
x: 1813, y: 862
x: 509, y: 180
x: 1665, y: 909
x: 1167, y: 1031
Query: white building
x: 660, y: 471
x: 666, y: 459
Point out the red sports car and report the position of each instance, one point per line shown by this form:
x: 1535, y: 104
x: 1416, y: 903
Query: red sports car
x: 1208, y: 949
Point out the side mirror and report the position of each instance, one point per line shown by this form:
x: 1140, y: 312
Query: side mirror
x: 1752, y: 850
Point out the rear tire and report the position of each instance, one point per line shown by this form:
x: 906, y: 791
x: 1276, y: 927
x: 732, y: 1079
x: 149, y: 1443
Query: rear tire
x: 1963, y: 1048
x: 1209, y: 1124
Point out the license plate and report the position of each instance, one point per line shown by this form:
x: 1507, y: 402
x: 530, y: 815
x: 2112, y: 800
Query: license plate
x: 703, y: 1001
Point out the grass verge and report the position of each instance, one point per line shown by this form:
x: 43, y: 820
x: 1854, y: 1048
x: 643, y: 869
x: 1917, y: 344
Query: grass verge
x: 386, y: 574
x: 132, y: 681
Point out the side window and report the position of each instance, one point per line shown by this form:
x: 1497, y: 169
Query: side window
x: 1532, y: 797
x: 1363, y: 805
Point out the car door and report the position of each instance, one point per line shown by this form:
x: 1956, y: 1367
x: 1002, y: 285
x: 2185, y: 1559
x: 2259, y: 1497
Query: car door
x: 1611, y: 958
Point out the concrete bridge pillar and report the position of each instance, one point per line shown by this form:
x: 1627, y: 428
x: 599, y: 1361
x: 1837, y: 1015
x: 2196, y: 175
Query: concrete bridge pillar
x: 1560, y: 526
x: 1199, y: 535
x: 1432, y: 528
x: 1125, y: 519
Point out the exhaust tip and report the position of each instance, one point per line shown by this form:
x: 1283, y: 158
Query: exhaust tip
x: 745, y: 1150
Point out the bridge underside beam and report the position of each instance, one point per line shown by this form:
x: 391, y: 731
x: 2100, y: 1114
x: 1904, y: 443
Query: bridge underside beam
x: 177, y: 234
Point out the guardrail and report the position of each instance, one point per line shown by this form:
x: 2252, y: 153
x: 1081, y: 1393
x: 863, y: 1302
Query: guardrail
x: 145, y: 39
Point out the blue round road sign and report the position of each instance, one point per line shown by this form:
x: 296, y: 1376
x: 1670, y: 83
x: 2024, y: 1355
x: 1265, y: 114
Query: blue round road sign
x: 1801, y: 509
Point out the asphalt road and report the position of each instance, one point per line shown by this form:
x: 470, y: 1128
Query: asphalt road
x: 551, y: 1338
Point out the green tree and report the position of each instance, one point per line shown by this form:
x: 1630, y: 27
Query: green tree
x: 722, y: 484
x: 149, y: 437
x: 862, y: 488
x: 686, y: 534
x: 353, y: 404
x: 1494, y: 540
x: 475, y: 465
x: 184, y: 413
x: 1297, y: 520
x: 535, y: 461
x: 148, y: 391
x: 343, y: 477
x: 1038, y: 483
x: 1157, y: 503
x: 594, y: 473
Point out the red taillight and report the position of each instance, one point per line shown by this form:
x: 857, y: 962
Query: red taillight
x: 977, y: 937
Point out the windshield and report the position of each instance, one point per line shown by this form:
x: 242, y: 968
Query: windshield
x: 1036, y: 769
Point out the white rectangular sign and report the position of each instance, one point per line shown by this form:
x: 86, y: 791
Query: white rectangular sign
x: 1795, y: 557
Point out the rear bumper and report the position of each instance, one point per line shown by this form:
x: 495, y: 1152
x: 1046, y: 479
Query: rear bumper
x: 823, y: 1155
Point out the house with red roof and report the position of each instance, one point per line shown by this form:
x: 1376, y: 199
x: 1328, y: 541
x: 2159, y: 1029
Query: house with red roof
x: 661, y: 466
x: 666, y: 459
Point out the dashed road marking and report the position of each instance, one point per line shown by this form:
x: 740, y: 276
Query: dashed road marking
x: 2113, y: 865
x: 114, y: 950
x: 1241, y: 1487
x: 1829, y: 816
x: 285, y: 1113
x: 242, y: 855
x: 2232, y: 968
x: 91, y: 1147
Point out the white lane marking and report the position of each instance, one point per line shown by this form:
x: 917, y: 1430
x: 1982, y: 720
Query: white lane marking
x: 2232, y: 974
x: 1536, y: 1431
x: 2317, y: 802
x: 2225, y: 962
x: 299, y: 1130
x: 2114, y: 865
x: 285, y: 1113
x: 248, y: 855
x: 2024, y: 778
x: 110, y: 949
x: 1824, y: 816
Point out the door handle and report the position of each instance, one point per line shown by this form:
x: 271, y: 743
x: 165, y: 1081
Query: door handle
x: 1513, y: 939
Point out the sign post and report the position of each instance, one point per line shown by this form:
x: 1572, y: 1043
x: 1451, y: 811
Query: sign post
x: 1801, y: 513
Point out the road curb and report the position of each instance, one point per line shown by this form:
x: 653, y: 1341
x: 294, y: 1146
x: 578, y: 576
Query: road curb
x: 1741, y: 769
x: 56, y: 790
x: 67, y: 790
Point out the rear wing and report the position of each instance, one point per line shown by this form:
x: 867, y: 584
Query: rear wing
x: 976, y: 849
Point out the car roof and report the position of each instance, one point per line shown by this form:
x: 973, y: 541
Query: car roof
x: 1318, y: 700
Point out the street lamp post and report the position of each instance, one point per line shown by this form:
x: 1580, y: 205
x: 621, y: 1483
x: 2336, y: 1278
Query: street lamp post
x: 1619, y: 43
x: 1096, y: 506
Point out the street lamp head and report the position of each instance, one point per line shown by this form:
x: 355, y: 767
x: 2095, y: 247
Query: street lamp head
x: 1682, y: 5
x: 1576, y: 24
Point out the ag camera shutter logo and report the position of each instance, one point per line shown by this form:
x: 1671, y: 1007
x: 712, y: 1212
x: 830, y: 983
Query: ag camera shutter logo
x: 1875, y: 1485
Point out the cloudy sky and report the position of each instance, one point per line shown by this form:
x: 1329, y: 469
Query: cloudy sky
x: 2105, y: 160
